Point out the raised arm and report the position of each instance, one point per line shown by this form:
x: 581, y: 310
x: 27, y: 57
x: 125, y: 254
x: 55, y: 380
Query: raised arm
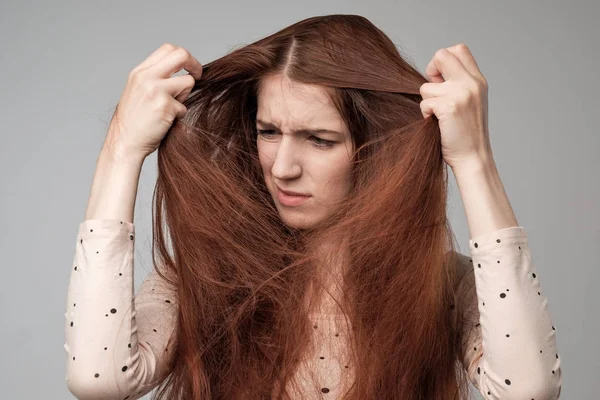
x: 117, y: 346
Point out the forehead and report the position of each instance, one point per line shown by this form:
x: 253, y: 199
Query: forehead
x: 285, y: 102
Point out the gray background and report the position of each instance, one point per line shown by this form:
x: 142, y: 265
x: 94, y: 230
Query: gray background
x: 64, y: 65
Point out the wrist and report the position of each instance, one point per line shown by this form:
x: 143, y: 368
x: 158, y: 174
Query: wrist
x: 475, y: 165
x: 121, y: 154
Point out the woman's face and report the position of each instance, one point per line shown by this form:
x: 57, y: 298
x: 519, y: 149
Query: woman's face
x: 304, y: 147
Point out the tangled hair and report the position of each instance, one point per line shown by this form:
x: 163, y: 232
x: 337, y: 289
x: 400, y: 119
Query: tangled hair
x: 246, y: 282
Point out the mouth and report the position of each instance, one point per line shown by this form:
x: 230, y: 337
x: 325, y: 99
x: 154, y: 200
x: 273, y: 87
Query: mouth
x: 292, y: 199
x: 290, y: 193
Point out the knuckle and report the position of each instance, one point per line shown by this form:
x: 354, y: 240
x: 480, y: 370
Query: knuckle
x: 161, y: 103
x: 465, y: 96
x: 150, y: 88
x: 191, y: 79
x: 132, y: 74
x: 136, y: 76
x: 462, y: 47
x: 169, y: 46
x: 472, y: 87
x: 478, y: 86
x: 452, y: 107
x: 181, y: 53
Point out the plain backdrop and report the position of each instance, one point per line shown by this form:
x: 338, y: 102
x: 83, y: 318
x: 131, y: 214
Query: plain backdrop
x: 64, y: 66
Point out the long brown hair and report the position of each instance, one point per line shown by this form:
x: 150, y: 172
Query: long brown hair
x: 242, y: 276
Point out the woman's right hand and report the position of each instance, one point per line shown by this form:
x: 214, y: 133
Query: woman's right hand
x: 151, y: 101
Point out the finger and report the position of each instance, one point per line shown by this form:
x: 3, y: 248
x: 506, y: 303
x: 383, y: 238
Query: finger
x: 174, y: 62
x: 431, y: 89
x: 462, y: 52
x: 179, y: 86
x: 178, y: 109
x: 157, y: 55
x: 428, y: 107
x: 445, y: 66
x: 183, y: 95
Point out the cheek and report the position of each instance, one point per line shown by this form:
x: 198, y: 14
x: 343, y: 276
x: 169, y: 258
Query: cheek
x: 333, y: 174
x: 264, y: 157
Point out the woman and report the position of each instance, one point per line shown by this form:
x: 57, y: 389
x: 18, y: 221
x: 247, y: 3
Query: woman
x: 304, y: 187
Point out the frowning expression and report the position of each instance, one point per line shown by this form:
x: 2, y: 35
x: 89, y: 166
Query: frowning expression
x: 304, y: 147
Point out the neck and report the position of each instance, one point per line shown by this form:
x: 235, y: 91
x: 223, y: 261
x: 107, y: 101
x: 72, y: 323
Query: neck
x: 332, y: 261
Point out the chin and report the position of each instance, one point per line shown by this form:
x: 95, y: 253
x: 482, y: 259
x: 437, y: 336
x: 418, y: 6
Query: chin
x: 297, y: 220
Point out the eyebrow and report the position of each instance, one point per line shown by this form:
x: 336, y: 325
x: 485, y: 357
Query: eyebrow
x: 269, y: 125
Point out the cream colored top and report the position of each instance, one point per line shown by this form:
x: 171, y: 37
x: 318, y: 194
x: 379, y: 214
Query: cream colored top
x: 118, y: 343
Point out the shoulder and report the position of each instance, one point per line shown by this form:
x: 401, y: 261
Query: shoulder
x: 464, y: 290
x: 462, y: 265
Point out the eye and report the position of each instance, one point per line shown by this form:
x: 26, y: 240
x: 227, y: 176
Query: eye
x: 322, y: 142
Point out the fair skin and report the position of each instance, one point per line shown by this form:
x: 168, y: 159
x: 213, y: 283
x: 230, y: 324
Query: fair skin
x: 313, y: 163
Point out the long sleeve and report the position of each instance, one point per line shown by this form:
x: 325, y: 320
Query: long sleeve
x: 118, y: 345
x: 509, y: 342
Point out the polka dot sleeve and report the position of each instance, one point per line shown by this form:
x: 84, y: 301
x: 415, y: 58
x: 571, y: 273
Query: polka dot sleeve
x: 509, y: 342
x: 118, y: 344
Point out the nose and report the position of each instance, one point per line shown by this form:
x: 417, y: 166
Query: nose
x: 287, y: 161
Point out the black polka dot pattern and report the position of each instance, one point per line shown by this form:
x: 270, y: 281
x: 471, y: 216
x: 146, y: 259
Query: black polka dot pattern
x: 504, y: 276
x: 501, y: 260
x: 89, y: 319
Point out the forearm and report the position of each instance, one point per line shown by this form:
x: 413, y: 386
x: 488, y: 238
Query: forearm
x: 114, y: 188
x: 515, y: 335
x: 486, y: 204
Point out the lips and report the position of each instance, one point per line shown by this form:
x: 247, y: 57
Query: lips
x: 290, y: 193
x: 291, y: 199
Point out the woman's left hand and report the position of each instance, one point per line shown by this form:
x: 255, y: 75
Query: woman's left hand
x: 457, y: 95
